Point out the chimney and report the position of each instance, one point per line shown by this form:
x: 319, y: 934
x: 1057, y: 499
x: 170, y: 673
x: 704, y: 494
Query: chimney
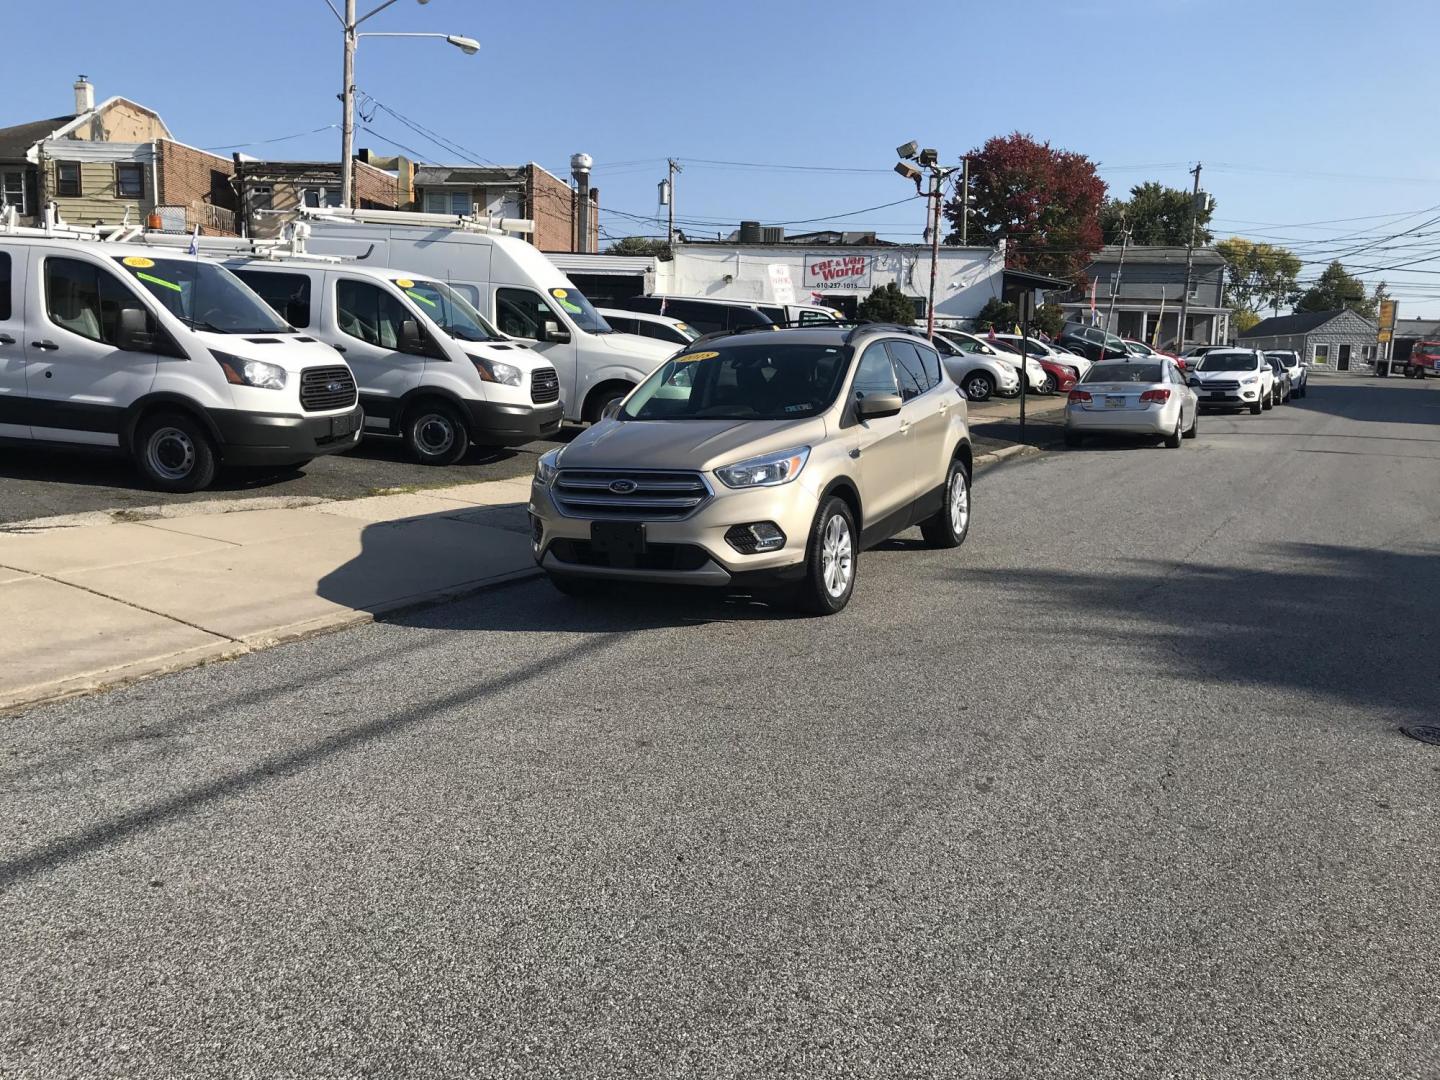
x: 84, y: 96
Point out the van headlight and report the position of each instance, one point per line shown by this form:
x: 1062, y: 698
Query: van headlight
x: 771, y: 470
x: 496, y: 371
x: 242, y: 372
x: 547, y: 467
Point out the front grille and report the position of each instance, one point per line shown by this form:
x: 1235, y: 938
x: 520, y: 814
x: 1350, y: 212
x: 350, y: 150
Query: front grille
x: 324, y: 388
x: 1220, y: 384
x: 544, y: 386
x: 654, y: 557
x: 634, y: 494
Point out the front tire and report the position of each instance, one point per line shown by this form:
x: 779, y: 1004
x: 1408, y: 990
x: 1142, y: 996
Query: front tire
x: 174, y: 453
x: 949, y: 525
x: 978, y: 386
x: 831, y: 561
x: 1049, y: 386
x: 1255, y: 409
x: 436, y: 434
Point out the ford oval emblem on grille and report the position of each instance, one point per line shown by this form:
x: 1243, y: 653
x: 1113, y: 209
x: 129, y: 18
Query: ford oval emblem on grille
x: 334, y: 387
x: 623, y: 487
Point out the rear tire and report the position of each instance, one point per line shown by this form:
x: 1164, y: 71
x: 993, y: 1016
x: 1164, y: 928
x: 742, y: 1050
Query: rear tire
x: 978, y: 386
x: 1172, y: 441
x: 831, y: 561
x: 436, y: 434
x: 1269, y: 401
x: 1194, y: 425
x: 949, y: 525
x: 174, y: 453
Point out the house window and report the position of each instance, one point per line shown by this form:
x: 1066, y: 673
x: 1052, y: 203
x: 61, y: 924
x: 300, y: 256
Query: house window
x: 262, y: 197
x: 1322, y: 354
x: 447, y: 202
x: 1367, y: 353
x: 67, y: 179
x: 318, y: 197
x: 12, y: 189
x: 130, y: 181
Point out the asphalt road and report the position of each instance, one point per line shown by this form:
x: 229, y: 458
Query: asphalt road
x: 1114, y: 790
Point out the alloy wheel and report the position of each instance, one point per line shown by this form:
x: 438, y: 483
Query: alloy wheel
x: 837, y: 556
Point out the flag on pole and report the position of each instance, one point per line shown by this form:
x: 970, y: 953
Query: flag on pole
x: 194, y: 248
x: 662, y: 305
x: 1094, y: 315
x: 1155, y: 337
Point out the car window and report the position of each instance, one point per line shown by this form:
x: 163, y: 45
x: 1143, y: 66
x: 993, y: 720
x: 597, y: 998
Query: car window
x: 523, y: 313
x: 705, y: 318
x: 86, y: 300
x: 875, y: 374
x: 661, y: 332
x: 813, y: 318
x: 931, y: 359
x: 775, y: 315
x: 287, y: 294
x: 369, y: 313
x: 914, y: 378
x: 1124, y: 371
x: 620, y: 324
x: 774, y: 380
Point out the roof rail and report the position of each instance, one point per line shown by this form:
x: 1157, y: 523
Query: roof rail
x: 465, y: 222
x: 290, y: 245
x: 54, y: 227
x: 889, y: 328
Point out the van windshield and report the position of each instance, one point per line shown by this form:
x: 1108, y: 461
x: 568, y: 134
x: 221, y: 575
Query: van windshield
x: 448, y: 310
x: 204, y: 296
x: 772, y: 381
x: 573, y: 301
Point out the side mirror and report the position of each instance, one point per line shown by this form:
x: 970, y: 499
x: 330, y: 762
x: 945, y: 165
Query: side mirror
x: 554, y: 333
x: 612, y: 409
x: 133, y: 334
x: 877, y: 406
x: 411, y: 341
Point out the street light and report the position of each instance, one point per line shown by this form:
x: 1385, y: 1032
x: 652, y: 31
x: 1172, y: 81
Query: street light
x: 350, y: 24
x: 929, y: 159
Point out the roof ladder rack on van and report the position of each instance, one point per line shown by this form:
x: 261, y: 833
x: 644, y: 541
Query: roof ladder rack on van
x: 54, y: 226
x: 497, y: 226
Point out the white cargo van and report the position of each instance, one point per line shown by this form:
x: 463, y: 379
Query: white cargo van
x: 512, y: 284
x: 167, y: 358
x: 431, y: 370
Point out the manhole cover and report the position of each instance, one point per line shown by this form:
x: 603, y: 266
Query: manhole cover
x: 1426, y: 733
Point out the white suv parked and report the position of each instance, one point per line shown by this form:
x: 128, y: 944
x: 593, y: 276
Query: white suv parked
x: 1234, y: 379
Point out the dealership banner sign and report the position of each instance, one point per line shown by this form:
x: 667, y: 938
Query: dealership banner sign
x: 837, y: 271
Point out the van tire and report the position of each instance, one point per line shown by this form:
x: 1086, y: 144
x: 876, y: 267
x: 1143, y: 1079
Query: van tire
x: 174, y: 453
x: 602, y: 396
x: 436, y: 433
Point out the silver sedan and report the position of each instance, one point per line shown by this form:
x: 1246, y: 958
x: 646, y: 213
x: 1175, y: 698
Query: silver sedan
x: 1132, y: 397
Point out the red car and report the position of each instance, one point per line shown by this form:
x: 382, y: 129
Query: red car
x: 1059, y: 377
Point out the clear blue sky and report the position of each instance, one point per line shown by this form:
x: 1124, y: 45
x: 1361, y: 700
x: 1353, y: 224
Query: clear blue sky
x: 1302, y: 111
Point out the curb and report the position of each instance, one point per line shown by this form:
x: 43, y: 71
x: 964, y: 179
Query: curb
x: 95, y: 682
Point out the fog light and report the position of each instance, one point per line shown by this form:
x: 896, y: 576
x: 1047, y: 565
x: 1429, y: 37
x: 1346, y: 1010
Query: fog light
x: 537, y: 531
x: 756, y: 538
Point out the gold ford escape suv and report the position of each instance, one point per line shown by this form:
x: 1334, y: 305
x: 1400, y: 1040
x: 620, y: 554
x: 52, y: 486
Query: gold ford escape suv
x: 763, y: 461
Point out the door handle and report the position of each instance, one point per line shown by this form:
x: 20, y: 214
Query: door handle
x: 6, y: 339
x: 45, y: 345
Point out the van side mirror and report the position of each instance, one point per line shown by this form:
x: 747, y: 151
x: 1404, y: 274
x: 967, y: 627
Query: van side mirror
x: 411, y: 341
x: 554, y: 333
x: 877, y: 406
x: 133, y: 333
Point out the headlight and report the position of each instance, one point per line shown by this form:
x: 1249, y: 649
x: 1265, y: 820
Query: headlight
x: 1249, y: 380
x: 495, y: 371
x: 768, y: 471
x: 242, y: 372
x: 547, y: 467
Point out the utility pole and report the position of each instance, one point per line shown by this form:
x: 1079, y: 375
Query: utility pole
x: 1119, y: 273
x: 347, y: 98
x: 674, y: 168
x: 965, y: 202
x: 937, y: 183
x: 1189, y: 261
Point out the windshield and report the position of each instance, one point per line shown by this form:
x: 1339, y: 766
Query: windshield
x: 1220, y: 361
x: 204, y: 296
x: 772, y: 381
x: 449, y: 310
x: 1124, y: 372
x: 580, y: 310
x: 1134, y: 348
x: 1426, y: 348
x: 1002, y: 344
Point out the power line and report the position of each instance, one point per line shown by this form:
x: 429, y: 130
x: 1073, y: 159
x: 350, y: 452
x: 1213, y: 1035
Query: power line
x: 266, y: 142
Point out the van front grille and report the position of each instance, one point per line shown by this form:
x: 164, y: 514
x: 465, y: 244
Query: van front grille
x: 544, y: 386
x: 633, y: 494
x: 325, y: 388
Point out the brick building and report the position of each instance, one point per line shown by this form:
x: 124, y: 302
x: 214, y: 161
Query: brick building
x: 519, y: 191
x: 270, y: 192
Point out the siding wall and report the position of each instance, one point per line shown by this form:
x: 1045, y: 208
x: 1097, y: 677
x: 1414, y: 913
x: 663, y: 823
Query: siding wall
x: 98, y: 201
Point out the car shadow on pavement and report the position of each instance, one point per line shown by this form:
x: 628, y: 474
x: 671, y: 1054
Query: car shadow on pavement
x: 112, y: 471
x: 1318, y: 620
x: 1379, y: 402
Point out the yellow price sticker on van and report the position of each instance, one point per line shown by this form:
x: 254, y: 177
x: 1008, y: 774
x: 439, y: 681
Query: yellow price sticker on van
x: 559, y: 294
x: 405, y: 283
x: 139, y: 262
x: 690, y: 358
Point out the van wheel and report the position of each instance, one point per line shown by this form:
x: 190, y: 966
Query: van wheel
x: 831, y: 560
x: 601, y: 399
x: 978, y: 387
x: 436, y: 434
x: 174, y: 453
x: 951, y: 523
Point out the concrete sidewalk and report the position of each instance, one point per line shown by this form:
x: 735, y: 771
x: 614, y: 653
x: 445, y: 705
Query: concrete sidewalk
x: 93, y: 605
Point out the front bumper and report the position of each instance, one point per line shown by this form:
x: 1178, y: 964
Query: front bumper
x: 1227, y: 399
x: 252, y: 438
x: 691, y: 551
x: 495, y: 423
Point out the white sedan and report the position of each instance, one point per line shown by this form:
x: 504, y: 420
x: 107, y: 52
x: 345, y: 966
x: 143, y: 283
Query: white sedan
x: 1000, y: 350
x: 1132, y: 397
x: 1041, y: 350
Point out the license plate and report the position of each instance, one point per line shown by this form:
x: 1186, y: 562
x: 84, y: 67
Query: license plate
x: 1217, y: 393
x: 621, y: 542
x: 343, y: 425
x: 1114, y: 402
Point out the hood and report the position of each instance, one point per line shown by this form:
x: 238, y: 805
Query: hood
x: 653, y: 352
x: 293, y: 352
x: 685, y: 444
x: 1204, y: 376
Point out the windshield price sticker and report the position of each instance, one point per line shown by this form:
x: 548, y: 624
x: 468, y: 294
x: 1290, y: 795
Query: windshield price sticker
x: 405, y: 283
x: 559, y: 294
x: 139, y: 262
x: 690, y: 358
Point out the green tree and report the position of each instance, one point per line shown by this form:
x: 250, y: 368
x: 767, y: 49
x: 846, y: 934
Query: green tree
x: 1154, y: 214
x: 1337, y: 288
x: 998, y: 315
x: 1049, y: 318
x: 1045, y: 203
x: 640, y: 245
x: 1242, y: 319
x: 1258, y: 275
x: 888, y: 304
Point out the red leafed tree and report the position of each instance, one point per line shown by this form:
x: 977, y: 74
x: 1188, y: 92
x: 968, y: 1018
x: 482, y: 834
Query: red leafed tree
x: 1044, y: 202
